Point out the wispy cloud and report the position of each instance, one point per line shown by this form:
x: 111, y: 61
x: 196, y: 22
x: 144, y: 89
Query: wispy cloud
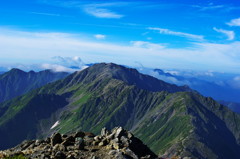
x: 212, y: 7
x: 234, y: 22
x: 221, y: 8
x: 101, y: 10
x: 147, y: 45
x: 69, y: 62
x: 98, y: 9
x: 46, y: 14
x: 230, y: 34
x: 100, y: 36
x: 181, y: 34
x: 55, y: 68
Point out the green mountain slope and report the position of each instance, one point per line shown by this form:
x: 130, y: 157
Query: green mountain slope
x: 17, y: 82
x: 171, y: 120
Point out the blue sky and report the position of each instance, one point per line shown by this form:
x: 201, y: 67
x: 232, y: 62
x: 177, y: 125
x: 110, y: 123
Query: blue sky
x: 181, y: 34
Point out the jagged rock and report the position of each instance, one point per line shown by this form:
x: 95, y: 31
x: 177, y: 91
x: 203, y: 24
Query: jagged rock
x: 104, y: 132
x: 48, y: 140
x: 118, y: 132
x: 129, y: 152
x: 79, y: 143
x: 79, y: 134
x: 88, y: 141
x: 110, y: 137
x: 125, y: 141
x: 103, y: 142
x: 70, y: 157
x: 89, y: 134
x: 56, y: 139
x: 59, y: 155
x: 116, y: 154
x: 26, y: 144
x: 115, y: 144
x: 59, y: 147
x: 68, y: 141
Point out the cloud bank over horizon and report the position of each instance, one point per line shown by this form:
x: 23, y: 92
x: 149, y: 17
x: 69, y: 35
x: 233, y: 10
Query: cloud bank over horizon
x: 29, y: 46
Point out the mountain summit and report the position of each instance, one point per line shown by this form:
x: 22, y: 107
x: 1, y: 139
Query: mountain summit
x: 173, y: 121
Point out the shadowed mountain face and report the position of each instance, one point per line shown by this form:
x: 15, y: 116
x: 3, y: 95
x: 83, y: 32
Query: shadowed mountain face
x: 17, y: 82
x: 171, y: 120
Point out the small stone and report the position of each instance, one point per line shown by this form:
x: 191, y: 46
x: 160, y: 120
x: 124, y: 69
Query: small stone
x: 116, y: 154
x: 60, y: 155
x: 124, y: 141
x: 89, y: 134
x: 130, y: 153
x: 94, y: 157
x: 104, y: 132
x: 26, y: 144
x: 115, y: 144
x: 64, y: 136
x: 69, y: 141
x: 70, y: 148
x: 129, y: 135
x: 56, y: 139
x: 95, y: 143
x: 103, y: 142
x: 97, y: 138
x: 48, y: 140
x: 88, y: 141
x: 110, y: 137
x: 79, y: 134
x: 79, y: 143
x: 70, y: 157
x: 43, y: 156
x: 119, y: 132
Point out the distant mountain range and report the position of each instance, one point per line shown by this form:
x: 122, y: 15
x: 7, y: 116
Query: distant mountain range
x: 17, y: 82
x: 207, y: 88
x: 233, y: 106
x: 171, y: 120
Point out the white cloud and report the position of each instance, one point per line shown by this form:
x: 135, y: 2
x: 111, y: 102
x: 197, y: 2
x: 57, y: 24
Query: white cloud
x: 46, y: 14
x: 102, y: 13
x: 181, y: 34
x: 212, y: 7
x: 228, y: 33
x: 56, y: 68
x: 234, y: 22
x: 74, y: 63
x: 101, y: 10
x: 30, y: 47
x: 147, y: 45
x: 100, y: 36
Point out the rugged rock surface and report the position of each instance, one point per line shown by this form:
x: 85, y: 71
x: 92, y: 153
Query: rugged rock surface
x: 118, y: 143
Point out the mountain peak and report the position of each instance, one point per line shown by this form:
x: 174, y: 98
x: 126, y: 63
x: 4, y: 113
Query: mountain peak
x: 16, y: 70
x: 128, y: 75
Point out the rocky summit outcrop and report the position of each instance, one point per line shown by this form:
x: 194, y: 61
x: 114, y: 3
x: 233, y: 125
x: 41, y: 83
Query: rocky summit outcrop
x: 115, y: 144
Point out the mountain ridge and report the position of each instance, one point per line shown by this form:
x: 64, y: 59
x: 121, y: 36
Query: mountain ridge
x: 17, y: 82
x: 95, y: 97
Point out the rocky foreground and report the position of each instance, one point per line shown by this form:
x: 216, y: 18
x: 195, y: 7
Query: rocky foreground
x: 115, y: 144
